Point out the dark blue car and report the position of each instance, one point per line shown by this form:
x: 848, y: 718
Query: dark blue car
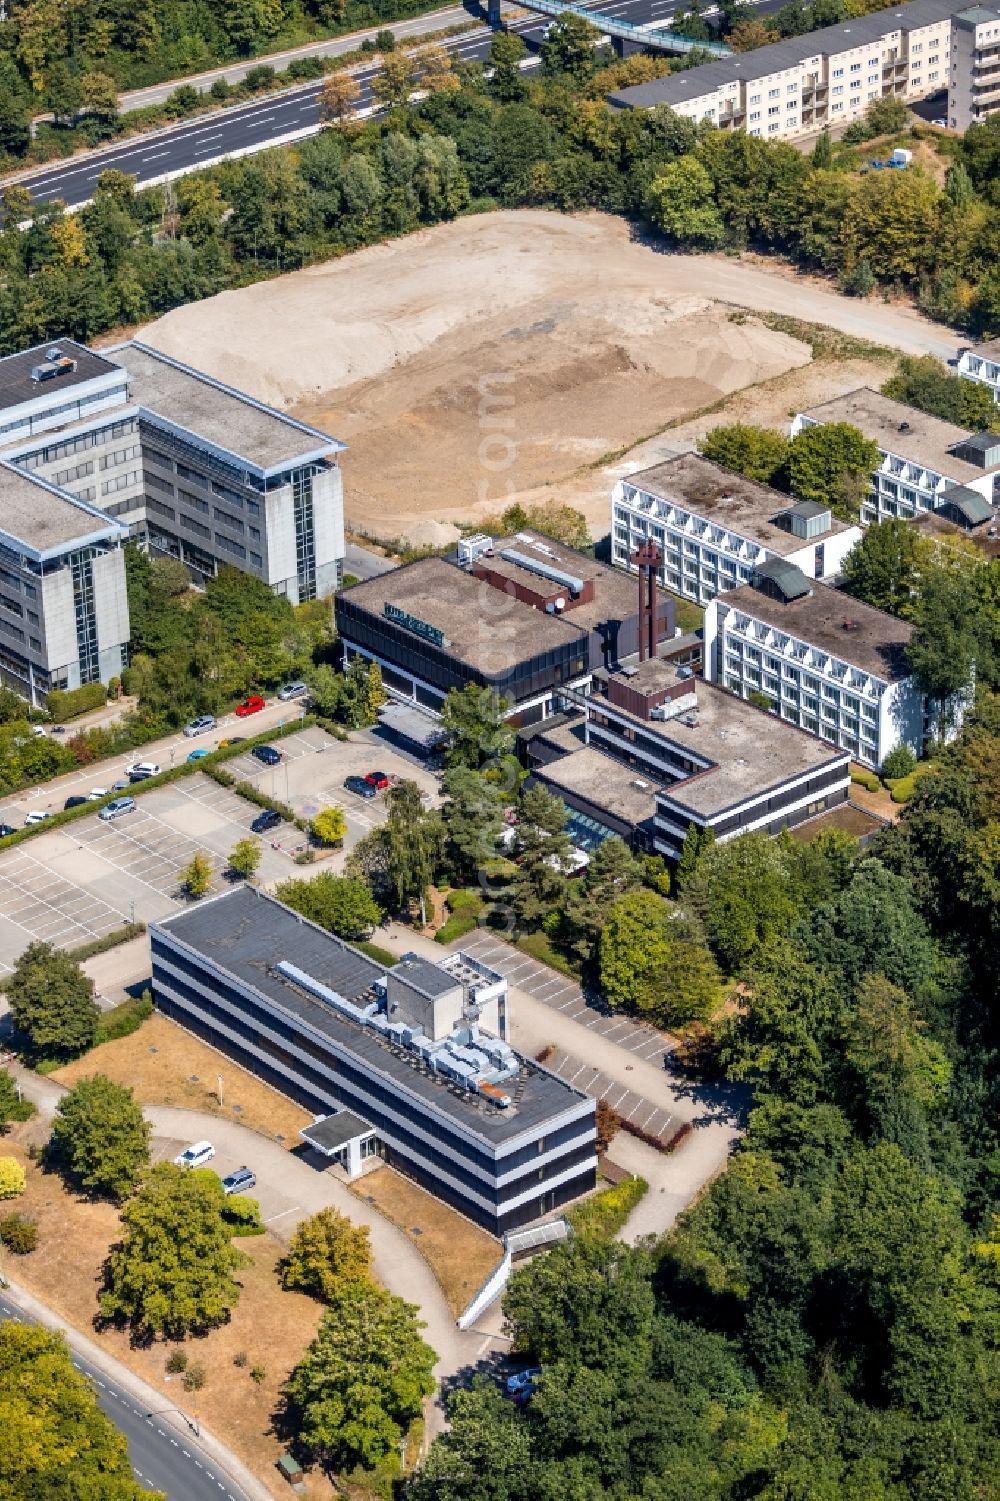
x: 267, y: 754
x: 360, y: 786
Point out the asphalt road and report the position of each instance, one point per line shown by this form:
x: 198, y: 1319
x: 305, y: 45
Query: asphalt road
x: 161, y: 1459
x: 275, y: 117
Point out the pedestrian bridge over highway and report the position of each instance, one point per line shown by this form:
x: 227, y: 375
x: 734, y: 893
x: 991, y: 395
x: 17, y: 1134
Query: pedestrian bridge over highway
x: 620, y: 31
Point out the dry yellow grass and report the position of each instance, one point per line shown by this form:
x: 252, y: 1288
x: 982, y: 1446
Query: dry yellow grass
x: 273, y: 1327
x: 160, y: 1061
x: 459, y: 1253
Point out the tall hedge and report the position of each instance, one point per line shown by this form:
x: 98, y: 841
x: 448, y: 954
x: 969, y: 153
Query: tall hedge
x: 67, y: 705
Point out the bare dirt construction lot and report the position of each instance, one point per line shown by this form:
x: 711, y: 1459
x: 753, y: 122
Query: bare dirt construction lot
x: 273, y: 1327
x: 514, y: 354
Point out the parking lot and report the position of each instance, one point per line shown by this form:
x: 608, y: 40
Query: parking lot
x: 70, y: 884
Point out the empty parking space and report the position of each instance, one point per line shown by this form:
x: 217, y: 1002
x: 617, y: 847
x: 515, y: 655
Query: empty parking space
x: 565, y: 995
x: 38, y: 904
x: 639, y: 1112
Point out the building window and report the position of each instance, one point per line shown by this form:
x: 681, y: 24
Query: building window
x: 774, y: 93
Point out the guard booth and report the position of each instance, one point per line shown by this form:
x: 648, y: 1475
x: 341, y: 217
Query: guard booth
x: 349, y: 1142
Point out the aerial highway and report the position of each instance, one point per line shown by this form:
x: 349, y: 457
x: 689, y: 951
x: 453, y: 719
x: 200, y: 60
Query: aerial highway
x: 274, y: 118
x: 162, y: 1457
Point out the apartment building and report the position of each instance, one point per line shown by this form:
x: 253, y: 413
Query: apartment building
x: 826, y: 77
x: 982, y: 363
x: 408, y: 1063
x: 826, y: 662
x: 974, y: 84
x: 925, y: 464
x: 523, y: 615
x: 714, y: 527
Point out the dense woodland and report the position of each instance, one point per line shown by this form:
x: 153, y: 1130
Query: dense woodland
x: 474, y: 144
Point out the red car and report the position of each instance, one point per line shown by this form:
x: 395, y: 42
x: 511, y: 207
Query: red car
x: 251, y: 705
x: 378, y: 780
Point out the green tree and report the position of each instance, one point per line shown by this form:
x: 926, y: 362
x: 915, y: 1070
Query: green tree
x: 473, y: 820
x: 822, y: 155
x: 363, y: 1379
x: 613, y: 871
x: 329, y: 826
x: 340, y: 904
x: 588, y: 1302
x: 100, y: 1136
x: 173, y: 1273
x: 832, y: 463
x: 326, y: 1251
x: 890, y: 222
x: 949, y: 641
x: 784, y: 1039
x: 507, y: 52
x: 923, y: 381
x: 392, y: 83
x: 871, y: 927
x: 568, y: 47
x: 883, y: 567
x: 196, y: 876
x: 655, y: 962
x: 56, y: 1441
x: 474, y: 721
x: 245, y: 856
x: 695, y: 841
x: 325, y: 690
x: 562, y: 523
x: 52, y: 1001
x: 361, y: 693
x: 741, y: 891
x: 415, y: 842
x: 11, y: 1107
x: 681, y: 203
x: 63, y: 92
x: 758, y: 452
x: 100, y: 97
x: 543, y: 853
x: 12, y: 1178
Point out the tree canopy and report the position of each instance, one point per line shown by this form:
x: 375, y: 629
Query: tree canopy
x: 100, y: 1136
x: 52, y: 1001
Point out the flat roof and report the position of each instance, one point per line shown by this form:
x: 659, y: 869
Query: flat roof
x: 17, y: 387
x: 335, y: 1131
x: 751, y: 749
x: 731, y: 500
x: 605, y: 783
x: 925, y: 440
x: 235, y: 423
x: 939, y: 526
x: 483, y: 627
x: 834, y: 623
x: 247, y: 933
x: 45, y: 519
x: 424, y: 976
x: 695, y: 83
x: 990, y: 350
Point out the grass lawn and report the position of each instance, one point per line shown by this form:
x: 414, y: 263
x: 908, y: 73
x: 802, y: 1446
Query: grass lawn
x: 539, y: 947
x: 273, y: 1327
x: 459, y: 1253
x: 165, y: 1065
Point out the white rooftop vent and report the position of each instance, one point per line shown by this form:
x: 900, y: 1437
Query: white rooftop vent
x: 642, y: 786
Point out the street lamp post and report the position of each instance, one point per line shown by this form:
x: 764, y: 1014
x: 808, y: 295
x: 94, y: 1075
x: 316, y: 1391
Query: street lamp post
x: 219, y: 1082
x: 192, y: 1423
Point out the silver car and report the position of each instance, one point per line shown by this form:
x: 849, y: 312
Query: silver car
x: 116, y: 807
x: 201, y: 725
x: 292, y: 690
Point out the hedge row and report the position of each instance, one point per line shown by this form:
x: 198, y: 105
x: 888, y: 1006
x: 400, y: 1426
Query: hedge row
x: 602, y: 1216
x: 123, y: 1020
x: 64, y: 704
x: 107, y: 941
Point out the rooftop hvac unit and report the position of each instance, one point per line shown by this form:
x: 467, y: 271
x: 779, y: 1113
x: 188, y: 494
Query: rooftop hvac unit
x: 471, y: 548
x: 545, y: 570
x: 691, y: 720
x: 685, y: 672
x: 904, y: 427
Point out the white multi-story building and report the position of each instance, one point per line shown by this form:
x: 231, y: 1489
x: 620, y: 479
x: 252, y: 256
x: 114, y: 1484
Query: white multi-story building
x: 982, y: 364
x: 974, y: 84
x: 925, y: 464
x: 826, y: 662
x: 826, y: 77
x: 714, y: 527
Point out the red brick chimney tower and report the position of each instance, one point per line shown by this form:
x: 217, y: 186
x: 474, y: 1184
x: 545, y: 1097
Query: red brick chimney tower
x: 647, y: 560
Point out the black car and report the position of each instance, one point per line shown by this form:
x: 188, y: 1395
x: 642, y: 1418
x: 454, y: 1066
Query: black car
x: 267, y: 754
x: 74, y: 802
x: 5, y: 829
x: 360, y: 786
x: 269, y: 819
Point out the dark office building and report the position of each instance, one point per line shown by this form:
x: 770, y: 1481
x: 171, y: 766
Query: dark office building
x: 399, y: 1051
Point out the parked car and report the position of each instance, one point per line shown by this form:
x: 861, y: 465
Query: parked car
x: 96, y: 793
x: 251, y: 705
x: 941, y: 124
x: 378, y: 780
x: 39, y: 731
x: 267, y: 754
x: 360, y: 786
x: 269, y: 819
x: 140, y: 771
x: 239, y: 1181
x: 521, y: 1385
x: 36, y: 817
x: 74, y: 802
x: 122, y: 785
x: 58, y: 729
x: 6, y: 829
x: 200, y: 726
x: 292, y: 690
x: 117, y: 807
x: 199, y: 754
x: 232, y: 740
x: 196, y: 1156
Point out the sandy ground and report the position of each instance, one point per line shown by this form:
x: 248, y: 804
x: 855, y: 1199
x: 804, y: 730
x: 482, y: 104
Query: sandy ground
x: 511, y: 355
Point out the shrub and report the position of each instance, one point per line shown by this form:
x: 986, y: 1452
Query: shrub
x: 385, y: 41
x: 258, y: 1373
x: 329, y: 826
x: 123, y: 1020
x: 194, y: 1377
x: 12, y: 1179
x: 302, y: 68
x: 220, y: 90
x: 864, y: 778
x: 260, y: 77
x: 602, y: 1215
x: 181, y: 101
x: 196, y: 877
x: 243, y: 1215
x: 177, y: 1361
x: 898, y: 763
x: 65, y: 704
x: 18, y: 1234
x: 608, y: 1123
